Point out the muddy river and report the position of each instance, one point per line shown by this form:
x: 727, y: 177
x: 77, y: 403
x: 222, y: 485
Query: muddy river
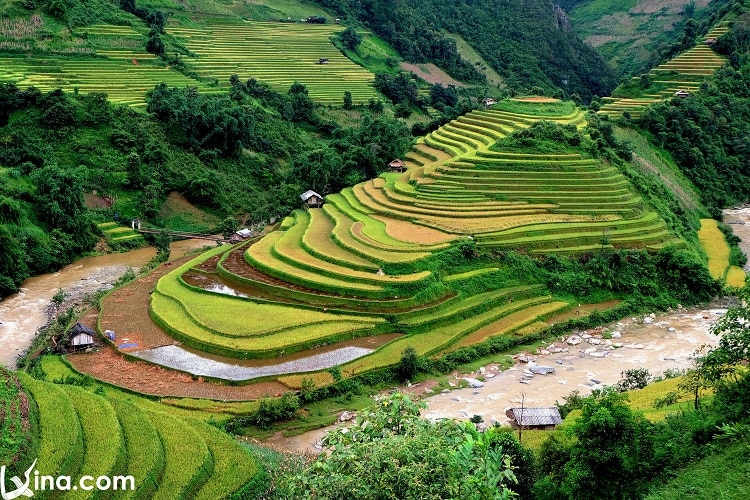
x: 21, y: 314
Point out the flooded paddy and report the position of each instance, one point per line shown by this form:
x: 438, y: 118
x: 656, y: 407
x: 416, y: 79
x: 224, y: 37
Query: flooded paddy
x: 204, y: 364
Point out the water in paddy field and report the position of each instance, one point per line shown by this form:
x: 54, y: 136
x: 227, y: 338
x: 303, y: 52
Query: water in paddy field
x: 23, y: 313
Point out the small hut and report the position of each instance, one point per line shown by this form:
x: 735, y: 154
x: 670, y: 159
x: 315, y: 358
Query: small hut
x: 682, y: 94
x: 709, y: 41
x: 311, y: 199
x: 81, y: 337
x: 534, y: 418
x: 397, y: 165
x: 323, y: 60
x: 489, y: 101
x: 244, y: 233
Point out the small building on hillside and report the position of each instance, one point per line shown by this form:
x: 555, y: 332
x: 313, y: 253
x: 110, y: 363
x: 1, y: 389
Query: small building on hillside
x: 534, y: 418
x: 311, y: 199
x: 81, y: 337
x: 244, y: 233
x: 397, y: 165
x: 682, y: 94
x: 710, y: 41
x: 489, y: 101
x: 323, y: 60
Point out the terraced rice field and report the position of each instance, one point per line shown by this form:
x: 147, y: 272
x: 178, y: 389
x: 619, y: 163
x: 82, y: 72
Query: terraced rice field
x: 683, y: 73
x: 360, y: 265
x: 114, y: 233
x: 81, y: 432
x: 125, y: 74
x: 714, y: 244
x: 278, y: 54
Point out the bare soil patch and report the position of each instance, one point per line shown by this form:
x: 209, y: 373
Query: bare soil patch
x: 431, y: 74
x: 93, y: 200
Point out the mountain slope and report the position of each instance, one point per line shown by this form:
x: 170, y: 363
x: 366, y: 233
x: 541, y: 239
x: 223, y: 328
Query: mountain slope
x: 529, y: 43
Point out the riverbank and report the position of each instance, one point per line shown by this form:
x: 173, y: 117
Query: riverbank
x: 23, y: 313
x: 655, y: 342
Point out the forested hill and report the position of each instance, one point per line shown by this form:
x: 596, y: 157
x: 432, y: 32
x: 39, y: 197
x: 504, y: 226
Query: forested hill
x: 530, y: 43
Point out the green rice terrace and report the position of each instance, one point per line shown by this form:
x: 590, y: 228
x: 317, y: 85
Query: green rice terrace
x: 279, y: 55
x: 113, y: 59
x: 366, y: 263
x: 677, y: 77
x: 170, y: 453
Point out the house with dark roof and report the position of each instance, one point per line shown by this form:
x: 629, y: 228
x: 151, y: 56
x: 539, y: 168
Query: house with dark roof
x: 311, y: 199
x: 534, y: 418
x: 81, y: 337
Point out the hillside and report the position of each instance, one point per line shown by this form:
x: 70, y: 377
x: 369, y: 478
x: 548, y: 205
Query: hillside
x: 73, y: 427
x: 529, y: 44
x: 635, y: 35
x: 431, y: 252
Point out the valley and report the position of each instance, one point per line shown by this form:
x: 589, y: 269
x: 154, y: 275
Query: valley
x: 405, y: 199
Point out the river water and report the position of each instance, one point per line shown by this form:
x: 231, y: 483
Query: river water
x: 23, y: 313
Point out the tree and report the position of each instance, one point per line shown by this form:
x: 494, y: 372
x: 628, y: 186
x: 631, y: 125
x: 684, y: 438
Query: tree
x: 390, y: 452
x: 611, y: 457
x: 734, y: 344
x: 350, y: 39
x: 408, y: 365
x: 348, y: 104
x: 229, y: 226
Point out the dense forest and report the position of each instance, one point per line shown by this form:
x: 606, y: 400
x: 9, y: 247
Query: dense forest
x: 247, y: 153
x: 531, y: 44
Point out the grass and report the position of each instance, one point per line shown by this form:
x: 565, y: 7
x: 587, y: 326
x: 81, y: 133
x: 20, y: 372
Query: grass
x: 222, y: 50
x: 436, y: 339
x: 512, y: 322
x: 289, y: 248
x: 145, y: 454
x: 724, y: 474
x: 559, y: 109
x: 172, y: 317
x: 232, y: 463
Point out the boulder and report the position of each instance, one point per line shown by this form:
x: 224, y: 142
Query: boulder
x: 616, y: 335
x: 574, y: 340
x: 542, y: 370
x: 347, y: 416
x: 474, y: 383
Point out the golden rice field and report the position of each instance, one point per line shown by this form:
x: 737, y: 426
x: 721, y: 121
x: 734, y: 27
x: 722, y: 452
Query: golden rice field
x: 715, y: 245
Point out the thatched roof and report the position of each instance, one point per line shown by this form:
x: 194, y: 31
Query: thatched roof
x: 528, y: 417
x: 396, y: 163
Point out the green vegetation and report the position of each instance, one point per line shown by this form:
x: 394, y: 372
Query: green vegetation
x: 102, y: 430
x: 521, y: 42
x: 633, y: 34
x: 222, y: 50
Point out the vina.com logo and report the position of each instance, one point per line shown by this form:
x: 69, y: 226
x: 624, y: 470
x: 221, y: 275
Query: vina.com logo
x: 60, y: 483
